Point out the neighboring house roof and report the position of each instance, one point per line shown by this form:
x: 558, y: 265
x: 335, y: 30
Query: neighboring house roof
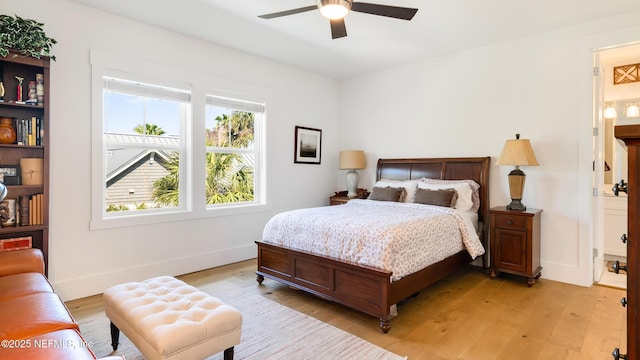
x: 123, y: 150
x: 135, y: 185
x: 134, y: 162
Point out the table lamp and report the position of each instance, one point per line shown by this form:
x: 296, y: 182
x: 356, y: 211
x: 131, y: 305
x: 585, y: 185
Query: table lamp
x: 517, y: 152
x: 352, y: 160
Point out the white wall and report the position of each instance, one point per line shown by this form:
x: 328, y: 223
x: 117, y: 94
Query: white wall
x: 469, y: 103
x: 84, y: 262
x: 461, y: 105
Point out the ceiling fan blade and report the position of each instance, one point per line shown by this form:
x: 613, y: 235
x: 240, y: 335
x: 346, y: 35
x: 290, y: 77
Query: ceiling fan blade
x: 384, y: 10
x: 288, y: 12
x: 338, y: 28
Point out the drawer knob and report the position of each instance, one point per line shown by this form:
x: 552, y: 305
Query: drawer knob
x: 619, y: 187
x: 616, y: 354
x: 624, y: 238
x: 509, y: 222
x: 617, y: 267
x: 623, y: 301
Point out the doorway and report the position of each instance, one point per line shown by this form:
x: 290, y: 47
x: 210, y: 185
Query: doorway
x: 610, y: 166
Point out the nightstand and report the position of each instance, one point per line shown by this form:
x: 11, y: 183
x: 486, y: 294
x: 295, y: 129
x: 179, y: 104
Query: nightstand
x: 341, y: 197
x: 515, y: 242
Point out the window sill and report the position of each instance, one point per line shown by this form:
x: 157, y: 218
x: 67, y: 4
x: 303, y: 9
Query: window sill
x: 172, y: 216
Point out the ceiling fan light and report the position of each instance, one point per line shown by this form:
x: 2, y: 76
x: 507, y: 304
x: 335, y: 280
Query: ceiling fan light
x: 334, y: 9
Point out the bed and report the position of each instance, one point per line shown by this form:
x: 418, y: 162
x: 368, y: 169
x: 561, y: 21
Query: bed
x: 371, y: 289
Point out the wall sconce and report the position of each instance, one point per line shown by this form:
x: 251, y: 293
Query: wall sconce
x: 610, y: 112
x: 632, y: 110
x: 352, y: 160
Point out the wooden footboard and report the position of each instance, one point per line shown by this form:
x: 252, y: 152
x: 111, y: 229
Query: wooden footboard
x: 362, y: 288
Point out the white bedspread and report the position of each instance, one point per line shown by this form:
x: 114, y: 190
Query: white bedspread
x: 398, y: 237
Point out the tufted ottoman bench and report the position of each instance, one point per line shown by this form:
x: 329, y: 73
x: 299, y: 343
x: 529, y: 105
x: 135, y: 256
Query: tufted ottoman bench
x: 168, y: 319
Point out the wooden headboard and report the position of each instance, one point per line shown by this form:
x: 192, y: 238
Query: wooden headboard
x: 473, y: 168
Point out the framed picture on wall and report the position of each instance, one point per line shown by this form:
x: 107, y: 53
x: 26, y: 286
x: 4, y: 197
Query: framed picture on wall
x: 307, y: 145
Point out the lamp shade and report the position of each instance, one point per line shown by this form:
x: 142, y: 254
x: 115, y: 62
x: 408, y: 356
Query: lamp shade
x: 352, y: 159
x: 518, y: 152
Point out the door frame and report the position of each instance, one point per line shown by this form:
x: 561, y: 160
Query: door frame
x: 598, y: 166
x: 588, y: 223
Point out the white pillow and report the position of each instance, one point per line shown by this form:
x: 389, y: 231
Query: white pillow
x: 464, y: 191
x: 409, y: 185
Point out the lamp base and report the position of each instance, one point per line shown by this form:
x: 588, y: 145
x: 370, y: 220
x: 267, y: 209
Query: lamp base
x: 352, y: 183
x: 516, y: 188
x: 516, y: 204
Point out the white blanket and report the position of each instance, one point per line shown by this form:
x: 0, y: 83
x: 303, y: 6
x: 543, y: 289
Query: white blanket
x: 398, y: 237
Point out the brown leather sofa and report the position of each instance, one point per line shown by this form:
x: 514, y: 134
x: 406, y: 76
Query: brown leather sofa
x: 35, y: 323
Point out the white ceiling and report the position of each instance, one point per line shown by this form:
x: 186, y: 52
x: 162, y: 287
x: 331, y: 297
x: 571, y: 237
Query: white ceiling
x: 374, y: 42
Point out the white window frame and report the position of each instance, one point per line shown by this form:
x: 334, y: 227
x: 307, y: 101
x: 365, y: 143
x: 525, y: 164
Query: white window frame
x: 259, y: 112
x: 192, y: 186
x: 123, y: 83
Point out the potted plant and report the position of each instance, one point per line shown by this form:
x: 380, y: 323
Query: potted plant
x: 24, y: 36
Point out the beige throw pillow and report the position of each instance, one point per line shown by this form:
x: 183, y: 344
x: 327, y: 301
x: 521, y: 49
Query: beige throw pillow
x: 387, y: 193
x: 443, y: 197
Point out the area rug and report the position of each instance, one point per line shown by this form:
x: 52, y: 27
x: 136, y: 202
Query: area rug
x: 269, y: 331
x: 610, y: 266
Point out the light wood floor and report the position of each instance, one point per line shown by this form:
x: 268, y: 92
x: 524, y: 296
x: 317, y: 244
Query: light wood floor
x: 466, y: 316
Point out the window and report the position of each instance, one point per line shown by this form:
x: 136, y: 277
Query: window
x: 170, y: 144
x: 143, y: 145
x: 231, y: 149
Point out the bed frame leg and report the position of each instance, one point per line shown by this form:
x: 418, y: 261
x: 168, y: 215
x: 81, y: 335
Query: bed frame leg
x: 385, y: 325
x: 260, y: 279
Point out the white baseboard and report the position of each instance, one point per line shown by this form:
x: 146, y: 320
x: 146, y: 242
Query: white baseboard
x: 94, y: 284
x: 565, y: 273
x: 616, y: 252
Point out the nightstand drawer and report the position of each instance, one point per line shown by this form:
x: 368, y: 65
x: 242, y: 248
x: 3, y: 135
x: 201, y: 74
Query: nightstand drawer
x: 511, y: 222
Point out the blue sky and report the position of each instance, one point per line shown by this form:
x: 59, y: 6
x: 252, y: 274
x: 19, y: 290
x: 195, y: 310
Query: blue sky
x: 125, y: 112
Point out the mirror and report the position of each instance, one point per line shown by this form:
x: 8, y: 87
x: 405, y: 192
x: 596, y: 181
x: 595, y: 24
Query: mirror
x: 619, y: 112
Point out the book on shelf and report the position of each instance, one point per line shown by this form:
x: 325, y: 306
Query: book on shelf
x: 40, y: 202
x: 29, y: 131
x: 33, y: 213
x: 32, y: 130
x: 23, y: 209
x: 31, y: 209
x: 39, y: 132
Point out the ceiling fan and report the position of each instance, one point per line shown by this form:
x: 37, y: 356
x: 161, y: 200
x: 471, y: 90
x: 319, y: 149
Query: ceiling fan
x: 336, y: 10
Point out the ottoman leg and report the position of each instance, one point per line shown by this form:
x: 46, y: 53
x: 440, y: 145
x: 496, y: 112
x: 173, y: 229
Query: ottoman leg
x: 115, y: 336
x: 228, y: 354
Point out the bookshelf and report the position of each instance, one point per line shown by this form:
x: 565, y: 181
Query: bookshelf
x: 31, y: 186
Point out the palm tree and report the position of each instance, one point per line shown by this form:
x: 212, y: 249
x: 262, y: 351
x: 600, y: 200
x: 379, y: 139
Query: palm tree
x: 149, y: 129
x: 165, y: 189
x: 229, y: 179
